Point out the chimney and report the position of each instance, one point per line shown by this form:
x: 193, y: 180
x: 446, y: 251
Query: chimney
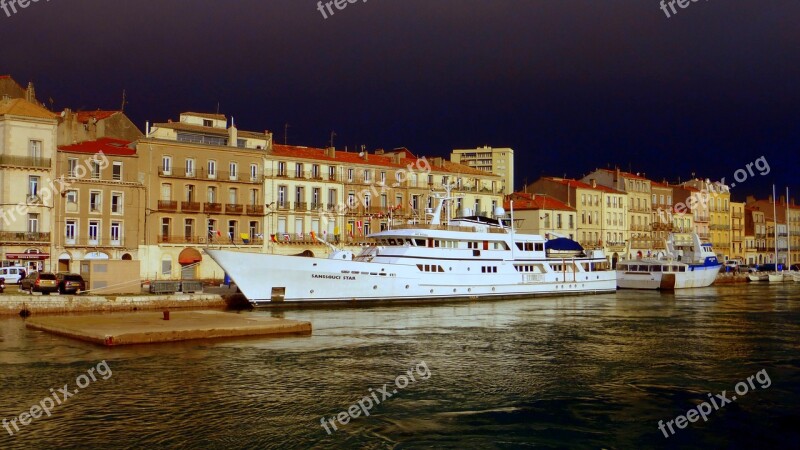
x: 30, y: 93
x: 233, y: 136
x: 330, y: 152
x: 438, y: 161
x: 379, y: 151
x: 593, y: 182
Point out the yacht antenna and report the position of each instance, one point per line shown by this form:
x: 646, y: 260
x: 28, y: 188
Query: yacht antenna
x: 513, y: 242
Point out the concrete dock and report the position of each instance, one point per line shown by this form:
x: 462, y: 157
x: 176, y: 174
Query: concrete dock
x: 150, y: 327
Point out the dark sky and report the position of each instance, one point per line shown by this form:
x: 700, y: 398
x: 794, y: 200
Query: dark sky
x: 569, y: 84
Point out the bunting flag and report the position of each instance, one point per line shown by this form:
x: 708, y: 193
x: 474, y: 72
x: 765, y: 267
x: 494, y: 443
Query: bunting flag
x: 300, y: 235
x: 286, y: 237
x: 360, y: 226
x: 245, y: 237
x: 313, y: 236
x: 273, y: 238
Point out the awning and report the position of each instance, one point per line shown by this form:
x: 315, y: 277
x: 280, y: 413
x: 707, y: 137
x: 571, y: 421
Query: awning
x: 28, y: 256
x: 189, y: 256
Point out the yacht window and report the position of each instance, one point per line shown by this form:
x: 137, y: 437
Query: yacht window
x: 655, y: 268
x: 391, y: 241
x: 519, y: 245
x: 539, y: 247
x: 420, y: 242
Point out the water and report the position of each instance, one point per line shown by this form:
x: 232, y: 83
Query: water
x: 580, y: 372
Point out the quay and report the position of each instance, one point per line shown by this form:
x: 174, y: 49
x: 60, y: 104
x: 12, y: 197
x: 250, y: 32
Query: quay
x: 62, y: 304
x: 152, y: 327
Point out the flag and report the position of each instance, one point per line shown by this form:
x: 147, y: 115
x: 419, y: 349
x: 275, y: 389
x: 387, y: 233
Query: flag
x: 286, y: 237
x: 313, y: 236
x: 245, y: 237
x: 300, y: 235
x: 274, y: 238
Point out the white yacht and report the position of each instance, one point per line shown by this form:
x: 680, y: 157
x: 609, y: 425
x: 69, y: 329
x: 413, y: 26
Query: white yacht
x: 471, y: 257
x: 685, y: 266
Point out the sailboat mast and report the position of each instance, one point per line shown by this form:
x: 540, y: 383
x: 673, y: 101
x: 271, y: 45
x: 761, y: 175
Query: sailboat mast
x: 788, y: 233
x: 775, y: 215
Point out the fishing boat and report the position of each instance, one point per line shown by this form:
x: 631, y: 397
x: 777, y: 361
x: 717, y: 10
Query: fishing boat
x: 685, y: 266
x: 758, y: 277
x: 468, y: 257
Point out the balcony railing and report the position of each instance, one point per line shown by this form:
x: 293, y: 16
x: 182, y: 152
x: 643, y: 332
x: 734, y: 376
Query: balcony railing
x: 255, y: 210
x: 98, y: 242
x: 218, y: 240
x: 25, y: 161
x: 168, y: 205
x: 12, y: 236
x: 190, y: 206
x: 212, y: 208
x: 701, y: 219
x: 203, y: 174
x: 234, y: 208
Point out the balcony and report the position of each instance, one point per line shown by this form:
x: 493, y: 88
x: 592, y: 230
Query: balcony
x: 218, y: 240
x: 190, y: 207
x: 736, y: 215
x: 27, y: 162
x: 255, y: 210
x: 20, y: 237
x: 701, y: 219
x: 96, y: 242
x: 212, y: 208
x: 300, y: 206
x: 234, y: 208
x: 703, y: 235
x: 203, y: 174
x: 168, y: 205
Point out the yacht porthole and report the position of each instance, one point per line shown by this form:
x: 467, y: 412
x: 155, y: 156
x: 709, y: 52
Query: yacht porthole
x: 431, y: 291
x: 469, y: 289
x: 406, y: 286
x: 375, y: 287
x: 454, y: 291
x: 493, y: 288
x: 312, y: 291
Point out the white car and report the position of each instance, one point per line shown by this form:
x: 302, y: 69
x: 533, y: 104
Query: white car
x: 12, y: 275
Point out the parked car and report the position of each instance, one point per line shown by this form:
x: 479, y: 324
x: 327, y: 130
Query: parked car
x: 771, y: 267
x: 2, y: 284
x: 44, y: 282
x: 12, y: 275
x: 732, y: 265
x: 70, y: 283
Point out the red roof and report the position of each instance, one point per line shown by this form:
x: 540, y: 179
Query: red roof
x: 581, y: 185
x: 660, y: 185
x: 85, y: 116
x: 5, y: 76
x: 525, y: 201
x: 626, y: 174
x: 108, y: 146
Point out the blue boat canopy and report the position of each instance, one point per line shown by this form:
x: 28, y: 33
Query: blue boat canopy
x: 563, y: 244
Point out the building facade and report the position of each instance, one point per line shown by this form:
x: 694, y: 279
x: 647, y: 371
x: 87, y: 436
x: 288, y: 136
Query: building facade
x: 499, y: 161
x: 543, y: 215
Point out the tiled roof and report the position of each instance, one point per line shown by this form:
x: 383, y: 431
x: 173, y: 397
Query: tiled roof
x: 85, y: 116
x: 581, y: 185
x: 22, y: 107
x: 660, y: 185
x: 525, y: 201
x: 206, y: 115
x: 181, y: 126
x: 108, y: 146
x: 626, y: 174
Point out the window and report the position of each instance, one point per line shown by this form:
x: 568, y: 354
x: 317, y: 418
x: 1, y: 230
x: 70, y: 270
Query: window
x: 315, y: 194
x: 583, y: 199
x: 212, y: 169
x: 190, y: 193
x: 233, y: 167
x: 254, y: 197
x: 332, y: 198
x: 72, y: 165
x: 367, y: 175
x: 95, y: 201
x: 367, y: 201
x: 253, y: 172
x: 232, y: 227
x: 315, y: 174
x: 299, y: 195
x: 116, y: 203
x: 281, y: 169
x: 188, y: 229
x: 350, y: 174
x: 233, y: 195
x: 351, y: 199
x: 72, y: 196
x: 211, y: 226
x: 35, y: 149
x: 212, y: 194
x: 69, y: 232
x: 33, y: 223
x: 383, y: 177
x: 33, y: 186
x: 571, y: 221
x: 298, y: 170
x: 95, y: 170
x: 116, y: 171
x: 166, y: 165
x: 189, y: 167
x: 281, y: 196
x: 116, y: 233
x: 253, y: 229
x: 208, y: 123
x: 165, y: 227
x: 332, y: 173
x: 166, y: 192
x: 94, y: 231
x: 558, y: 221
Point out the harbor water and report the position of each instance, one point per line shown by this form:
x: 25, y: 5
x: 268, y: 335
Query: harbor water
x: 568, y: 372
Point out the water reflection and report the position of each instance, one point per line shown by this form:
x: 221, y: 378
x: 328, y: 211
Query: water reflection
x: 595, y: 371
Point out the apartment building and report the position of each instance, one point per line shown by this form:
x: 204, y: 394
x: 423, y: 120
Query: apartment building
x: 691, y: 199
x: 638, y: 191
x: 499, y: 161
x: 601, y: 213
x: 27, y: 149
x: 337, y: 196
x: 662, y: 223
x: 204, y: 187
x: 718, y: 199
x: 543, y: 215
x: 755, y: 231
x: 99, y: 213
x: 80, y: 126
x: 780, y: 218
x: 737, y: 231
